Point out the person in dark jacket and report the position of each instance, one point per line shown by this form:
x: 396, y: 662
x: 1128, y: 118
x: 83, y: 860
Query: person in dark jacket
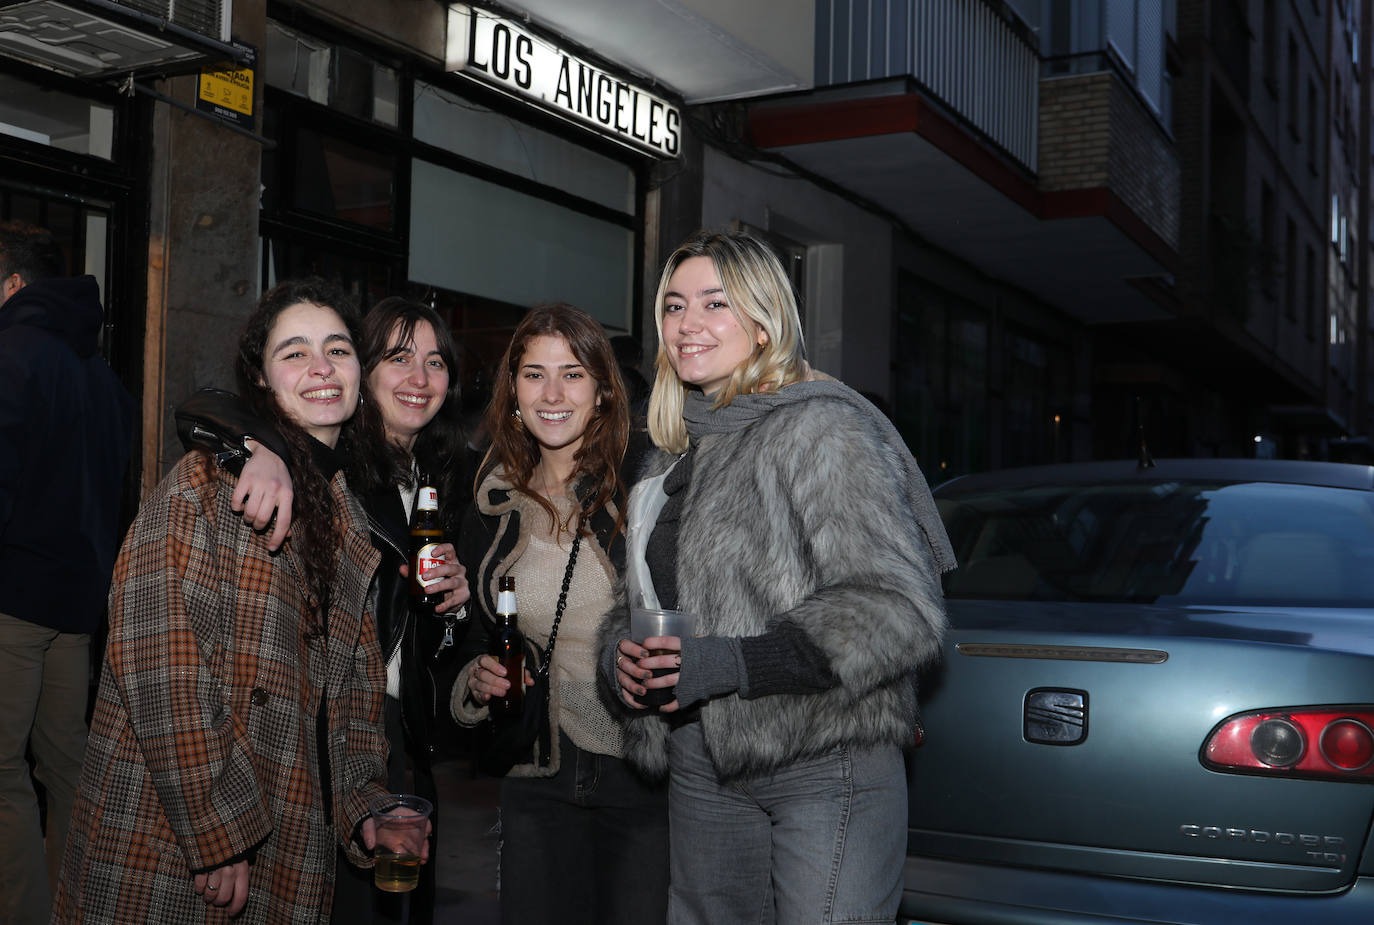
x: 66, y: 433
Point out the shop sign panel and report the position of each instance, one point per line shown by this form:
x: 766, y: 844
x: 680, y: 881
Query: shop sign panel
x: 503, y: 53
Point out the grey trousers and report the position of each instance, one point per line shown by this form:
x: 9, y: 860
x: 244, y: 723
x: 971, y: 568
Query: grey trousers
x: 44, y: 683
x: 819, y: 842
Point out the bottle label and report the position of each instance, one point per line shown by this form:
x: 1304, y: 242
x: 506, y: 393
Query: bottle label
x: 505, y: 602
x: 427, y: 499
x: 425, y: 560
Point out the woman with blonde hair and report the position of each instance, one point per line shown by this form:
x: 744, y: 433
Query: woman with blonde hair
x: 787, y: 515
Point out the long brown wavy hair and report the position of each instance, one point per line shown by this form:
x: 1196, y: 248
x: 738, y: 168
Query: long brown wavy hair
x: 598, y: 459
x: 315, y: 531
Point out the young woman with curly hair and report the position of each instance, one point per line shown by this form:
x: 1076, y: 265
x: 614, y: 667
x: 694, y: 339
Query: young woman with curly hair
x: 237, y: 735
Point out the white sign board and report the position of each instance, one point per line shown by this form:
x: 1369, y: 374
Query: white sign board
x: 501, y: 52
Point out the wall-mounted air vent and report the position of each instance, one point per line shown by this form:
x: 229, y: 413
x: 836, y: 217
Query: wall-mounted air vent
x: 99, y: 38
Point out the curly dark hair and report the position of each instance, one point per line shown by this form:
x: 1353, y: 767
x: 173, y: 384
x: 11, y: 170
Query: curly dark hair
x: 389, y: 328
x: 315, y: 530
x: 603, y: 445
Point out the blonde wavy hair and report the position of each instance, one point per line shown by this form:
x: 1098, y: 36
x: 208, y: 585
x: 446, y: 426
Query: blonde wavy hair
x: 761, y: 298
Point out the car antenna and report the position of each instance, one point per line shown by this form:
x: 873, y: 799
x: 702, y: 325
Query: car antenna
x: 1146, y: 461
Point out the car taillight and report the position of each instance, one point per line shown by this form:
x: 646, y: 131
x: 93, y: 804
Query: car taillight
x: 1332, y: 743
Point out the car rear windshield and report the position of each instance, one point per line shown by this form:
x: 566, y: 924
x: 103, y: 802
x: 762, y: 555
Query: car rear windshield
x: 1248, y: 543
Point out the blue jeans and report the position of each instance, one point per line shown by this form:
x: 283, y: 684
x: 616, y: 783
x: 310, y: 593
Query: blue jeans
x: 588, y: 845
x: 819, y: 841
x: 46, y: 678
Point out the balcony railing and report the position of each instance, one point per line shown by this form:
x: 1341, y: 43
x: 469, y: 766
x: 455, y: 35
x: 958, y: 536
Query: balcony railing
x: 964, y: 53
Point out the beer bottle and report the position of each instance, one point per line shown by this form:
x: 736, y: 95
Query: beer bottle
x: 508, y: 646
x: 425, y: 535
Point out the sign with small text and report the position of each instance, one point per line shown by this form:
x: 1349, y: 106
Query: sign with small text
x: 229, y: 93
x: 503, y: 53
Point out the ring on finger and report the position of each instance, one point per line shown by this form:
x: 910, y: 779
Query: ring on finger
x: 619, y: 658
x: 211, y: 887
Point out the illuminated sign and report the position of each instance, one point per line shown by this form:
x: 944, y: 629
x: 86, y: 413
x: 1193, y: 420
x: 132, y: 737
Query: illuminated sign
x: 498, y: 51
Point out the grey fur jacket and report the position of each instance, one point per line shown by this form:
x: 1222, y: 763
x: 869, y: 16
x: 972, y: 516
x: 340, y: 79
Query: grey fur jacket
x: 804, y: 516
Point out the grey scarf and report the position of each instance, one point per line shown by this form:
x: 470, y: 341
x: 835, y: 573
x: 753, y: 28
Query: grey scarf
x: 746, y: 409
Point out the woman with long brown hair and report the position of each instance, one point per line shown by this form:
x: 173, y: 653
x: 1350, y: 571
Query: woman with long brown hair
x: 583, y: 838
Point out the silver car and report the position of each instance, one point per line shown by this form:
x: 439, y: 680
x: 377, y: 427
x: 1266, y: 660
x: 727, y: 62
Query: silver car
x: 1156, y: 699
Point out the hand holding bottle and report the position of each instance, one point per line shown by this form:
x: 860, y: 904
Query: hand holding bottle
x: 487, y: 679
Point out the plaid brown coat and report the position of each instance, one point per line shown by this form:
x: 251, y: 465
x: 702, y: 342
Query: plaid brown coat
x: 203, y: 746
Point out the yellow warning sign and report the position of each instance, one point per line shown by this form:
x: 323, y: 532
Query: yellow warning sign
x: 228, y: 91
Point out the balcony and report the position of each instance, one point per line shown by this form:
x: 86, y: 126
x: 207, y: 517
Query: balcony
x: 983, y: 67
x: 936, y: 111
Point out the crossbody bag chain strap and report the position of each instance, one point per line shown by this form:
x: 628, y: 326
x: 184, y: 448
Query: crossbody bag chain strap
x: 562, y: 603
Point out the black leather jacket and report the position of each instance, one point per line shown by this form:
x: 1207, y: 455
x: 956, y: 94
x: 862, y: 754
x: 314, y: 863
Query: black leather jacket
x: 422, y: 637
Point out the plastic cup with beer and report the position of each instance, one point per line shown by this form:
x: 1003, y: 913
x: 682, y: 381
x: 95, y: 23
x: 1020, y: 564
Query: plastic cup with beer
x: 402, y: 821
x: 646, y: 622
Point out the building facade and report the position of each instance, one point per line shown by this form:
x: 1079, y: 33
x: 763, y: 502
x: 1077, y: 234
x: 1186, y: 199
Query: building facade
x: 1036, y: 230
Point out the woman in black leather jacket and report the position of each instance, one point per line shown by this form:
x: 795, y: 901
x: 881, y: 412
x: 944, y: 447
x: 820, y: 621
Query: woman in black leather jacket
x: 409, y: 359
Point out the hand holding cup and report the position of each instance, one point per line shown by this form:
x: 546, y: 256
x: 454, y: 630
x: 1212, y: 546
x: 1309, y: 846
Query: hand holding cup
x: 648, y: 670
x: 399, y: 836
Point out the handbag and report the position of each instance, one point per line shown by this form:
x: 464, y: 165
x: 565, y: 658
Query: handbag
x: 513, y: 743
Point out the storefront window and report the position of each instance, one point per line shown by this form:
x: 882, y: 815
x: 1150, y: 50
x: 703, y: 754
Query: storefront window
x: 1036, y: 401
x: 488, y: 137
x: 59, y: 120
x: 941, y: 359
x: 344, y: 181
x: 337, y: 77
x: 368, y: 280
x: 470, y: 235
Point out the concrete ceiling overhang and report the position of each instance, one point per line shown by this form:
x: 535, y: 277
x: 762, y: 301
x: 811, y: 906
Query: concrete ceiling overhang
x: 1083, y: 251
x: 703, y: 50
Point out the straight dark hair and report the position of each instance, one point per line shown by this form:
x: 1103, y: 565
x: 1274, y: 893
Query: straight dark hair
x: 440, y: 448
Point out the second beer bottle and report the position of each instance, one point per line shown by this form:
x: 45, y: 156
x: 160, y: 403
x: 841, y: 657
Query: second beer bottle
x: 426, y: 534
x: 508, y: 647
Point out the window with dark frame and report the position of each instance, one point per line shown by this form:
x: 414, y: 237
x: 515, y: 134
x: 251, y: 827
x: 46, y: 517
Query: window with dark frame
x: 1267, y: 252
x: 1290, y: 271
x: 1293, y: 86
x: 1271, y: 47
x: 340, y: 185
x: 1313, y: 142
x: 1311, y: 291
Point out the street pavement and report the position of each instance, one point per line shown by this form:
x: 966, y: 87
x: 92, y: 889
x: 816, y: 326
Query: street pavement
x: 466, y: 892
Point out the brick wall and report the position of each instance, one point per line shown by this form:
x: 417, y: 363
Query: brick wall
x: 1094, y: 133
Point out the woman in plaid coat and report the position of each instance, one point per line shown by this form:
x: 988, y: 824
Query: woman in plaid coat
x: 237, y: 731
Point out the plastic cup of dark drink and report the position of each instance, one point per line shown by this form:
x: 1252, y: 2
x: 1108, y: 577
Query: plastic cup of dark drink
x: 402, y: 827
x: 646, y: 622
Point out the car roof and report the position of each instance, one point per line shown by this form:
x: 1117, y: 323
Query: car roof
x: 1287, y: 471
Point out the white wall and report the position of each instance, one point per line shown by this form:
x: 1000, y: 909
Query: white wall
x: 849, y: 303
